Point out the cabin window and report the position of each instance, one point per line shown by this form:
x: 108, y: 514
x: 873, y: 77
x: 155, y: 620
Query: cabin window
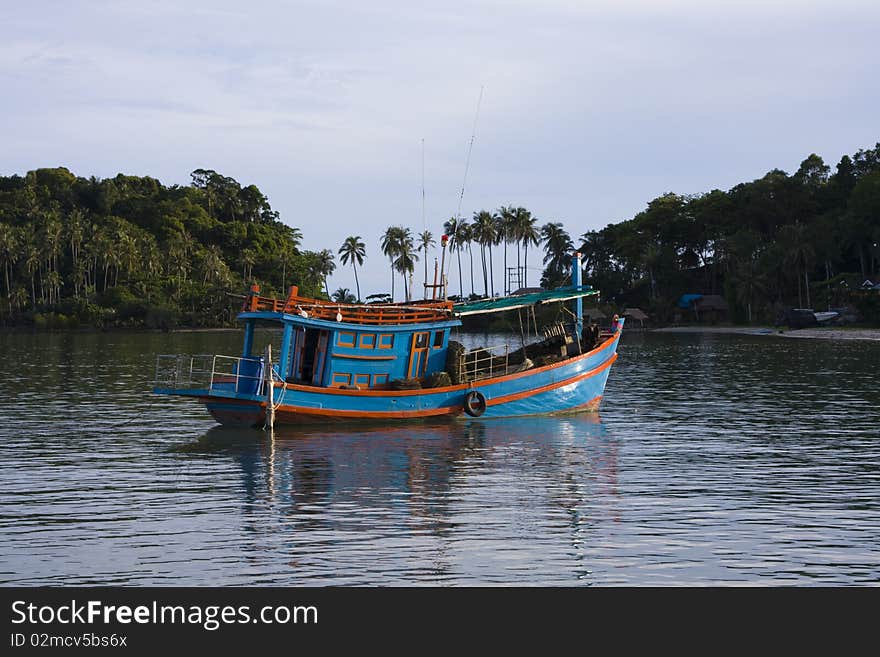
x: 438, y: 339
x: 362, y: 380
x: 379, y: 379
x: 341, y: 379
x: 421, y: 340
x: 368, y: 341
x: 386, y: 341
x: 345, y: 339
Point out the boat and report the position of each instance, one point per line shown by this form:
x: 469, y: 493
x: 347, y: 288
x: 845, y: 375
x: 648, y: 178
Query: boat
x: 822, y: 317
x: 396, y: 361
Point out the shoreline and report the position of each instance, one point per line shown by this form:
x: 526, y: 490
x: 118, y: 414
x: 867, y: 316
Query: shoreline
x: 815, y: 333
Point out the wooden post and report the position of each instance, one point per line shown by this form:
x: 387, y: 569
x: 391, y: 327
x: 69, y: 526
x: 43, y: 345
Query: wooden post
x: 270, y: 392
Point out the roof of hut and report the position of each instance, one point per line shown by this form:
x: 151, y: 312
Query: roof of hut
x: 635, y: 313
x: 594, y: 313
x: 711, y: 302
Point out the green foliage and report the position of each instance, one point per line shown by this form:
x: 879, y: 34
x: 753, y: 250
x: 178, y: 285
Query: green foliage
x: 775, y: 242
x: 129, y: 251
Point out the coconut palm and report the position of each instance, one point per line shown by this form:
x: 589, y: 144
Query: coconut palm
x: 426, y: 241
x: 343, y: 295
x: 9, y: 252
x: 505, y: 230
x: 353, y: 250
x: 391, y: 244
x: 406, y: 258
x: 557, y: 248
x: 455, y: 229
x: 484, y: 231
x: 467, y: 238
x: 798, y: 252
x: 326, y: 267
x: 526, y: 234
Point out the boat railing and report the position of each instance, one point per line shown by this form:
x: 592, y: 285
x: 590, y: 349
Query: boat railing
x: 414, y: 312
x: 484, y: 363
x: 210, y: 372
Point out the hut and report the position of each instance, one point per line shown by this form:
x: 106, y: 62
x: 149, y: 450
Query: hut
x: 637, y: 314
x: 710, y: 308
x: 706, y: 307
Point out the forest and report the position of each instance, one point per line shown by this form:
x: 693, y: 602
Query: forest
x: 805, y: 240
x: 131, y: 252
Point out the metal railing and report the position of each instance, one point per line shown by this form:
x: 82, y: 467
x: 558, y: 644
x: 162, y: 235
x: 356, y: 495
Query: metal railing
x: 209, y: 371
x: 484, y: 363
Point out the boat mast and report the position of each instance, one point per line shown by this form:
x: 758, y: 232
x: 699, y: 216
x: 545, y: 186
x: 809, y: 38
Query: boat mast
x: 579, y: 302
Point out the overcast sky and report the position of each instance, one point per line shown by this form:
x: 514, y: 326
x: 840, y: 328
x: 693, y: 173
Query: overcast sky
x: 590, y: 109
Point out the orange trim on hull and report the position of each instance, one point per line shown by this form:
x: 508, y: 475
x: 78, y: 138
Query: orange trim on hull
x: 444, y: 410
x: 362, y: 415
x: 461, y: 386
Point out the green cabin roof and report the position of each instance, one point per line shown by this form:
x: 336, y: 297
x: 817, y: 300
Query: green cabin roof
x: 522, y: 300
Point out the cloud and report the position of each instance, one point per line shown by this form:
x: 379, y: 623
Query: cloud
x: 590, y: 109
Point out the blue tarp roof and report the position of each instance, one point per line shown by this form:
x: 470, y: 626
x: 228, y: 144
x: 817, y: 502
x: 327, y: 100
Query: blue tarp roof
x: 687, y: 300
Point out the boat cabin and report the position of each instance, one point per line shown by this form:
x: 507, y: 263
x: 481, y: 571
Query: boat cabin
x: 347, y: 346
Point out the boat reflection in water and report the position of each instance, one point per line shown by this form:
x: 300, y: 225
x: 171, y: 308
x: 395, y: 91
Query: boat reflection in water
x: 348, y: 502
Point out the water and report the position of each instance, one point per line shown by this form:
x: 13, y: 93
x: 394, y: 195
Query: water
x: 715, y: 460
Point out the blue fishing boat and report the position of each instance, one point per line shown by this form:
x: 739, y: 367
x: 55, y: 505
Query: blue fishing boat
x: 356, y: 362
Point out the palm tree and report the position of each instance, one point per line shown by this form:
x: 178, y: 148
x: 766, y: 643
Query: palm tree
x: 326, y: 267
x: 32, y: 264
x: 343, y: 295
x: 799, y: 252
x: 505, y: 230
x: 391, y: 243
x: 406, y: 259
x: 9, y: 253
x: 426, y: 241
x: 76, y: 223
x: 454, y: 228
x: 467, y: 237
x: 247, y: 260
x: 353, y: 250
x: 484, y: 231
x: 213, y: 264
x: 746, y: 275
x: 527, y: 233
x: 557, y: 247
x: 649, y: 257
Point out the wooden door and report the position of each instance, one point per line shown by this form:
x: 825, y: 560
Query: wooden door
x: 418, y: 358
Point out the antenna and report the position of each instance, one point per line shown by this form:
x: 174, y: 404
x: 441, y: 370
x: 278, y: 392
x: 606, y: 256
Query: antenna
x: 424, y: 222
x: 467, y: 162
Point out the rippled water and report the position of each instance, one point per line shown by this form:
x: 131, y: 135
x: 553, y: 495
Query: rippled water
x: 715, y: 460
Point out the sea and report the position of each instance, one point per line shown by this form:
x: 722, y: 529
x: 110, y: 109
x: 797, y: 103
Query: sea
x: 715, y: 460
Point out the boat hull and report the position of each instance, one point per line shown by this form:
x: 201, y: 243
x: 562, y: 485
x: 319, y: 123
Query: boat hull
x: 574, y: 385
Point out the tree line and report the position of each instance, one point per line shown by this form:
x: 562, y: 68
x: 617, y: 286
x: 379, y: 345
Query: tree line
x: 801, y: 240
x: 512, y: 229
x: 130, y: 251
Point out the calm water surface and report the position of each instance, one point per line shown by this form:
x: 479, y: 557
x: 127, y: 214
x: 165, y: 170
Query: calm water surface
x: 715, y: 460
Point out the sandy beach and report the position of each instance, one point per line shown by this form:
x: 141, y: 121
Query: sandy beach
x: 821, y: 333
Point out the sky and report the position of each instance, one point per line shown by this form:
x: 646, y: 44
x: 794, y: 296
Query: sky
x: 589, y: 109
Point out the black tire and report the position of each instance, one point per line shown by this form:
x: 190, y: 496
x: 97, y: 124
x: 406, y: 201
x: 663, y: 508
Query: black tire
x: 474, y: 403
